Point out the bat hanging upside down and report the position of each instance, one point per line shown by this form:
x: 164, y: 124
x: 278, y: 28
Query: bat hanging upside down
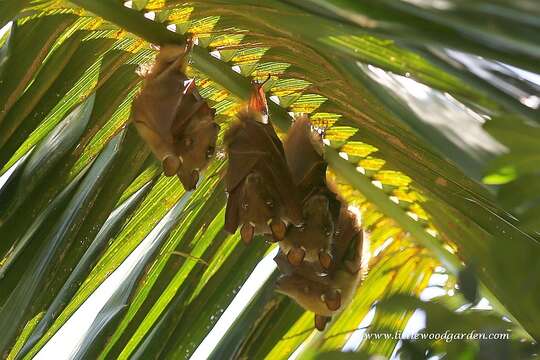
x: 326, y: 295
x: 312, y: 241
x: 173, y: 119
x: 262, y: 197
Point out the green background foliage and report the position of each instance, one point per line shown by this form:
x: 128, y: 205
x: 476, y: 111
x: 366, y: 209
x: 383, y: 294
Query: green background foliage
x: 442, y: 185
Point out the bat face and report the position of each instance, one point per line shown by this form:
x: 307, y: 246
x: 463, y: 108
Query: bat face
x: 318, y: 297
x: 312, y: 241
x: 196, y: 146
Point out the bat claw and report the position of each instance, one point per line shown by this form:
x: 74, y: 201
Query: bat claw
x: 170, y: 164
x: 295, y: 256
x: 321, y: 321
x: 278, y: 229
x: 246, y: 233
x: 325, y: 260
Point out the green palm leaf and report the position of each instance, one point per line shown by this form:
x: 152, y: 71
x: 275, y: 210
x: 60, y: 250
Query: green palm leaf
x: 444, y: 175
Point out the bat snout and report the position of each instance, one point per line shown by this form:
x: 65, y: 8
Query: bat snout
x: 188, y: 179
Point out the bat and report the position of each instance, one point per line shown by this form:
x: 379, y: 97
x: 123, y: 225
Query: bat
x: 312, y: 241
x: 173, y: 119
x: 303, y: 150
x: 261, y: 193
x: 326, y: 295
x: 195, y: 139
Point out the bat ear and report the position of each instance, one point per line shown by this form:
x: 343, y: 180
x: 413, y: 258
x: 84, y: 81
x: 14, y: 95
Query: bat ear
x: 325, y: 259
x: 295, y: 256
x: 321, y: 321
x: 246, y: 233
x: 278, y: 229
x: 332, y: 300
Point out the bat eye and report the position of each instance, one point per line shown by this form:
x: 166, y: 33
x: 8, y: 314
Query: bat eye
x: 210, y: 152
x: 269, y: 203
x: 245, y: 206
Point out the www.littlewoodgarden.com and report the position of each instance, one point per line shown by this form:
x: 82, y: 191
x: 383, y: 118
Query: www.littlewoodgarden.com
x: 446, y: 336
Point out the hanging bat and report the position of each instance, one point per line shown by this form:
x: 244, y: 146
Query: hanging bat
x: 173, y: 119
x: 312, y: 241
x: 303, y: 150
x: 194, y: 139
x: 262, y: 197
x: 326, y: 295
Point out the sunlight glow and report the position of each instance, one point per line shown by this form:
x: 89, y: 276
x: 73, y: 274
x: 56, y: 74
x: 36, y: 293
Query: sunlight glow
x: 253, y: 284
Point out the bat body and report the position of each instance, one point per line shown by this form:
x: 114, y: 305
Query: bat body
x: 326, y: 295
x: 195, y: 141
x: 303, y: 150
x: 312, y: 240
x: 320, y: 209
x: 262, y: 197
x: 173, y: 119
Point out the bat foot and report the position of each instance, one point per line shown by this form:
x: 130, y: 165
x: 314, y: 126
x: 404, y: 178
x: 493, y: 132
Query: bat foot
x: 321, y: 321
x: 295, y: 256
x: 170, y: 165
x: 246, y: 233
x: 332, y: 300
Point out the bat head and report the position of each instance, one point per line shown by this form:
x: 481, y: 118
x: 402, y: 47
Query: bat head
x: 196, y: 146
x: 256, y: 204
x: 313, y: 240
x: 319, y: 297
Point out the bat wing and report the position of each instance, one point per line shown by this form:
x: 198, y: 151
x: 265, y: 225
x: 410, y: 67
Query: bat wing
x: 275, y: 167
x: 241, y: 163
x: 232, y: 211
x: 348, y: 245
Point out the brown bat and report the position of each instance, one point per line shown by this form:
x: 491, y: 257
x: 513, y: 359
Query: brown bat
x: 326, y: 295
x: 262, y: 197
x: 312, y: 241
x: 303, y: 150
x: 195, y: 139
x: 173, y: 119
